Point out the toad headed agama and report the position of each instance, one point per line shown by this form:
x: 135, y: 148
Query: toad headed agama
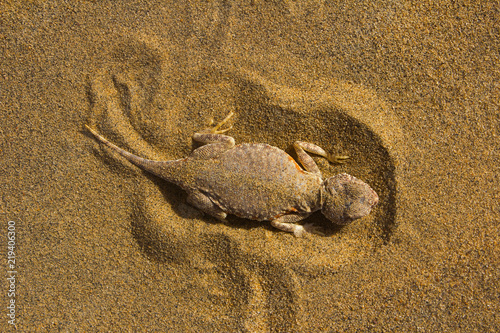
x: 260, y: 182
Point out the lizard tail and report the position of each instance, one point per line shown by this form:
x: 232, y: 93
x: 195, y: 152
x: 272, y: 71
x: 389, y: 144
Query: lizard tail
x: 155, y: 167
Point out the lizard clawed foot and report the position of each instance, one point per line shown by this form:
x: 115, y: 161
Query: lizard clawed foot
x: 215, y: 129
x: 308, y: 228
x: 337, y: 159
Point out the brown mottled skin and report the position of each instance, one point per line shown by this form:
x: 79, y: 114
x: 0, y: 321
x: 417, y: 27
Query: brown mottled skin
x: 260, y: 182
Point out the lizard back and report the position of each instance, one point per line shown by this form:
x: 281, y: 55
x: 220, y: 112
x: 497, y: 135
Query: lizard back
x: 254, y: 181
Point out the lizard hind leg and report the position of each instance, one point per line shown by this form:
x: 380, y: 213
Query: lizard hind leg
x: 213, y: 140
x: 215, y: 129
x: 203, y: 203
x: 214, y: 134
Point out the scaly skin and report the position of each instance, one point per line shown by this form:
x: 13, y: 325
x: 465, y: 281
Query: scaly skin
x: 260, y: 182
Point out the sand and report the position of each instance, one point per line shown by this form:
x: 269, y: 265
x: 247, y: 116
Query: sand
x: 409, y: 91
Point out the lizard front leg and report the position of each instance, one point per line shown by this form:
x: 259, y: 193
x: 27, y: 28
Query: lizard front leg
x: 301, y: 148
x: 287, y: 223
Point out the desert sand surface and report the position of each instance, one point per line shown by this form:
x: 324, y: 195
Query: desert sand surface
x: 409, y: 90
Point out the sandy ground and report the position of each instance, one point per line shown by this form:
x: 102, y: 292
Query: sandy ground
x: 409, y: 91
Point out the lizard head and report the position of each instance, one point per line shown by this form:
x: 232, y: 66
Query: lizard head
x: 346, y: 198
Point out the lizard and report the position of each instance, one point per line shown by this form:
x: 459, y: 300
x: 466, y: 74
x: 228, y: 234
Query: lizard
x: 260, y: 182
